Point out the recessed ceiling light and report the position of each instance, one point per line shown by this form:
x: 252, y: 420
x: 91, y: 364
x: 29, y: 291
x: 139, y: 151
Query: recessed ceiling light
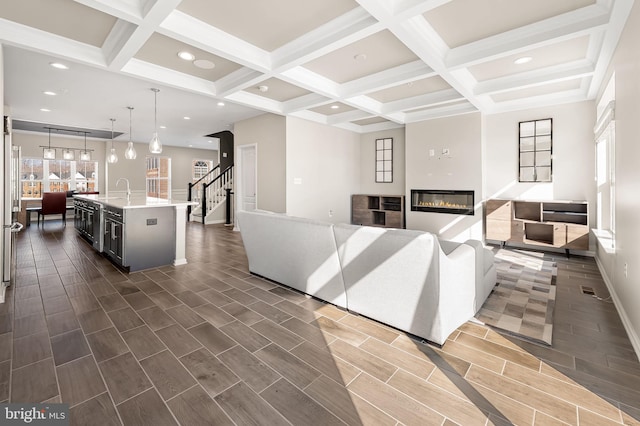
x: 523, y: 60
x: 187, y: 118
x: 59, y: 65
x: 360, y: 57
x: 190, y: 146
x: 205, y: 64
x: 335, y: 106
x: 45, y: 110
x: 163, y: 127
x: 220, y: 103
x: 263, y: 88
x: 49, y: 93
x: 187, y: 56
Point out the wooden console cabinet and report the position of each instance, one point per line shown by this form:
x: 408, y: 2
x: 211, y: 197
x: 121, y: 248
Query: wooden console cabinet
x: 378, y: 210
x: 559, y: 224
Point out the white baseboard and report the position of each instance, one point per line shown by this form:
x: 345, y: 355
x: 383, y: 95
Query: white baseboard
x: 633, y: 336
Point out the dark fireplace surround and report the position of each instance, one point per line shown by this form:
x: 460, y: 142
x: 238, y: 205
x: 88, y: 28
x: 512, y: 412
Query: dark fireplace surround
x: 442, y: 201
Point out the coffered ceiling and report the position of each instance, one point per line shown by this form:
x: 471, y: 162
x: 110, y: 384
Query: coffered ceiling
x: 362, y: 65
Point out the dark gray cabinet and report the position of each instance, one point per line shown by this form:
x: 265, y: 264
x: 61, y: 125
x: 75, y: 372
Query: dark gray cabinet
x: 378, y: 210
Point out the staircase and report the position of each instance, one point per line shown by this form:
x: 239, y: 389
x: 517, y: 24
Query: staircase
x: 210, y: 192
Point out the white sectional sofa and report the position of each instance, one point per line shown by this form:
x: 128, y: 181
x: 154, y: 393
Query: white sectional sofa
x: 407, y: 279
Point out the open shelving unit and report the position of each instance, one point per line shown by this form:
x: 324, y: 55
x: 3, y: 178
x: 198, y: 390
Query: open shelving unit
x: 558, y: 224
x: 378, y: 210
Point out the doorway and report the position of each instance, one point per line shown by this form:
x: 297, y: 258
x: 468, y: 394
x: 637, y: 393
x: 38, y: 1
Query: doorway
x: 247, y: 188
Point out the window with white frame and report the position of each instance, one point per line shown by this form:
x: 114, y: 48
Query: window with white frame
x: 38, y: 175
x: 605, y: 140
x: 158, y: 177
x: 200, y: 168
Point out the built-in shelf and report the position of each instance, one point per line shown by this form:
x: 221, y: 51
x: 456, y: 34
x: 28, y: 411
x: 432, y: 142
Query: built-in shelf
x: 378, y: 210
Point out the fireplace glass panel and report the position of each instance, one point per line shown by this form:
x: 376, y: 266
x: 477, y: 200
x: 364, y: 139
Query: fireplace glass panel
x: 441, y: 201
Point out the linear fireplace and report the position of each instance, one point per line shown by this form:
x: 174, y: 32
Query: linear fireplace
x: 440, y: 201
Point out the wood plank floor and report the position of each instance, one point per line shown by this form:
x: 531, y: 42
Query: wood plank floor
x: 208, y: 343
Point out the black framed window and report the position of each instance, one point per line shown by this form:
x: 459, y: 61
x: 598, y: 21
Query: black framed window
x: 384, y: 160
x: 535, y: 139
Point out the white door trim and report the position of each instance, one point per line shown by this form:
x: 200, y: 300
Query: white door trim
x: 239, y: 176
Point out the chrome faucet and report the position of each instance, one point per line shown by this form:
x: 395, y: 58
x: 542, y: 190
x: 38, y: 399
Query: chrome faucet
x: 128, y: 189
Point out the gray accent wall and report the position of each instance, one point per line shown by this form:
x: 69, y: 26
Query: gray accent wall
x: 268, y: 133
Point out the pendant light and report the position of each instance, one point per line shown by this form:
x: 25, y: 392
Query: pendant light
x: 67, y: 154
x: 155, y: 147
x: 49, y: 153
x: 112, y: 157
x: 130, y: 153
x: 85, y: 155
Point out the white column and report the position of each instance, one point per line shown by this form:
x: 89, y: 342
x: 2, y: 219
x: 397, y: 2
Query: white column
x: 181, y: 235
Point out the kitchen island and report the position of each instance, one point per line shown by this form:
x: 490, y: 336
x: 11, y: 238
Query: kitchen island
x: 136, y: 233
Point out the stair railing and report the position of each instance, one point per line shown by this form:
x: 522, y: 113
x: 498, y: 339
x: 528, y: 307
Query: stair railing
x: 204, y: 179
x: 214, y: 192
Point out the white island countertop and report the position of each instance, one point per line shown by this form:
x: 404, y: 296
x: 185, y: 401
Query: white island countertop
x: 135, y: 202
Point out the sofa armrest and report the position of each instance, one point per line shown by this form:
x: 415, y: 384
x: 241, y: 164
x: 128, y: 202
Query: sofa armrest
x: 485, y: 271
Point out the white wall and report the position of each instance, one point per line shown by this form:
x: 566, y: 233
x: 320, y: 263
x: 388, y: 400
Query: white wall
x: 134, y: 170
x: 268, y: 132
x: 625, y: 290
x: 368, y: 183
x: 573, y: 155
x: 323, y: 170
x: 461, y: 170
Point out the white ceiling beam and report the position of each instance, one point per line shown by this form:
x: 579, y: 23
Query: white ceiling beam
x: 126, y: 39
x: 389, y: 78
x: 239, y: 80
x: 255, y: 101
x: 538, y: 77
x: 307, y: 101
x: 439, y: 112
x: 563, y: 27
x: 50, y: 44
x: 342, y: 31
x: 128, y: 10
x: 157, y: 74
x: 182, y: 27
x: 435, y: 98
x: 373, y: 107
x: 311, y: 81
x: 619, y: 13
x: 558, y: 98
x: 348, y: 116
x: 379, y: 127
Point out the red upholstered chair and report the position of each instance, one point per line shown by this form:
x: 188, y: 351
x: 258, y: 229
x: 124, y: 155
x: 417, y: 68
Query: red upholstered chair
x: 53, y: 203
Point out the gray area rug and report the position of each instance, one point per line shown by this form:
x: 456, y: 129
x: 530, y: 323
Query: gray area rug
x: 523, y: 299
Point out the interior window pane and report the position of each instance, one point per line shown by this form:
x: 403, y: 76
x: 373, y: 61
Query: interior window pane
x: 526, y: 159
x: 526, y: 174
x: 527, y: 129
x: 543, y: 143
x: 543, y: 174
x: 527, y: 144
x: 543, y: 127
x: 543, y: 158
